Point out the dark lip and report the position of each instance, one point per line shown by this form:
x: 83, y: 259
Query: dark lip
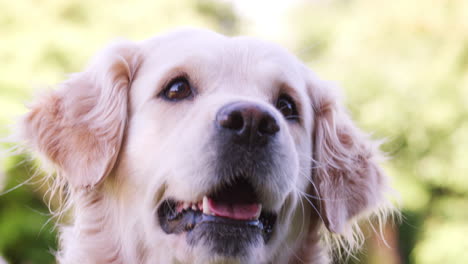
x: 172, y: 222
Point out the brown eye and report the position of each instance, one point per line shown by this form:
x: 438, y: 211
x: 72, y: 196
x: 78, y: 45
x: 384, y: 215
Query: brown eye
x: 177, y: 89
x: 287, y: 107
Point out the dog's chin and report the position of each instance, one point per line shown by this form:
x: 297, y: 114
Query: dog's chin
x: 229, y: 223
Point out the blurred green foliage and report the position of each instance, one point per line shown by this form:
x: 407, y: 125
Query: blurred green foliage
x: 26, y: 235
x: 403, y: 65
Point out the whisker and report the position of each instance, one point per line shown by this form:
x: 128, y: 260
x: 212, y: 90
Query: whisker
x: 315, y: 208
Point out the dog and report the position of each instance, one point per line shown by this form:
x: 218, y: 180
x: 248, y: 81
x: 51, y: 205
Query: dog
x: 194, y: 147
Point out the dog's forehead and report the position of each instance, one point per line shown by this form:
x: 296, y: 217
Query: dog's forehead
x: 214, y: 56
x: 203, y: 42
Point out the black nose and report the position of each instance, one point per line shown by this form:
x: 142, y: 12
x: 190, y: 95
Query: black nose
x: 247, y: 123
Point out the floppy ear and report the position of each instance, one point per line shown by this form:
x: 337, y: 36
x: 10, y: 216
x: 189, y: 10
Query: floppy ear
x: 346, y: 175
x: 79, y: 127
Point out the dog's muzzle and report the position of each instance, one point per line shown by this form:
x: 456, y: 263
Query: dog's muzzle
x: 230, y: 218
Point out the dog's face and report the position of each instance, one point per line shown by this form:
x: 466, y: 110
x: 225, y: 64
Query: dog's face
x: 233, y: 124
x: 206, y: 148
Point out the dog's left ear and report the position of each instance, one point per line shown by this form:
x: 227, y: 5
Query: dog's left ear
x: 80, y: 126
x: 348, y: 180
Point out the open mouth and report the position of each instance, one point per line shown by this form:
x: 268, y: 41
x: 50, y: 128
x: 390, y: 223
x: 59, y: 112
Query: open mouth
x: 232, y: 211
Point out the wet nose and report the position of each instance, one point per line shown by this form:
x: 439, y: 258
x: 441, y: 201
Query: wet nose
x: 247, y: 123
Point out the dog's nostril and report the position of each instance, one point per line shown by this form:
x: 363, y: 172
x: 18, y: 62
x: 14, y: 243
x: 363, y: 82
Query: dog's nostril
x: 232, y: 120
x: 268, y: 125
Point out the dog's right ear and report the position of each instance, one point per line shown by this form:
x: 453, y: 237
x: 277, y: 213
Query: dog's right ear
x: 79, y: 127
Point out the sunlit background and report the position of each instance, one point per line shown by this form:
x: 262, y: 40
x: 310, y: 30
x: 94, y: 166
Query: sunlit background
x: 403, y: 65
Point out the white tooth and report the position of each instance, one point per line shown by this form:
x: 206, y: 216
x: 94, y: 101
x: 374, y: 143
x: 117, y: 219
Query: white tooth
x: 194, y: 207
x: 206, y: 207
x: 257, y: 215
x: 186, y: 205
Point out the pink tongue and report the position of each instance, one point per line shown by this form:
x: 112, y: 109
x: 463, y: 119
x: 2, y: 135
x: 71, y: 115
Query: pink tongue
x: 234, y: 211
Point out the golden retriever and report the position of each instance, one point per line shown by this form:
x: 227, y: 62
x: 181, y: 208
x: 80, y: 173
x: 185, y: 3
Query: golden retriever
x: 194, y: 147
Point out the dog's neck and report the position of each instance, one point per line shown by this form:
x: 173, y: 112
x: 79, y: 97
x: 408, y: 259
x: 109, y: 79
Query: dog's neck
x: 92, y: 238
x: 311, y: 250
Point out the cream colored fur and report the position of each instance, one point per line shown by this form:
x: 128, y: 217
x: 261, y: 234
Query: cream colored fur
x: 119, y: 150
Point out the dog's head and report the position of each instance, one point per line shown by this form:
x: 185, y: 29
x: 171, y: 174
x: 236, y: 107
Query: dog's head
x: 199, y: 147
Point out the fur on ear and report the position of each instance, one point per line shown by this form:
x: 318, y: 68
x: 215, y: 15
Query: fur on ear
x: 346, y: 174
x: 79, y: 127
